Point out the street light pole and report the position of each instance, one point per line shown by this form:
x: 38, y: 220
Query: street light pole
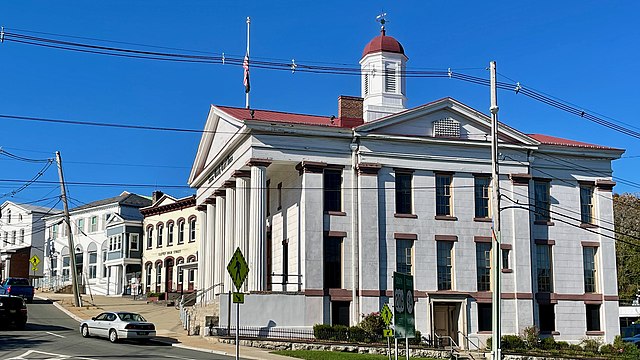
x: 496, y: 351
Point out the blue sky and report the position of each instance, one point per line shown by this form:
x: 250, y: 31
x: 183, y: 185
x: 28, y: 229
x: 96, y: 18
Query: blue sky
x: 584, y: 52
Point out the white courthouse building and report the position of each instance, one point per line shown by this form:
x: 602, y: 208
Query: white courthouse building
x: 172, y: 239
x: 107, y: 238
x: 326, y: 208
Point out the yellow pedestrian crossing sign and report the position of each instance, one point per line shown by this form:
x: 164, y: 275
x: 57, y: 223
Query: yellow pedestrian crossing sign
x: 238, y: 268
x: 35, y: 260
x: 386, y: 314
x: 238, y: 298
x: 387, y: 333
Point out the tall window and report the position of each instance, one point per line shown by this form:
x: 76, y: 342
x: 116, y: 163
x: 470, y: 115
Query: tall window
x: 160, y: 230
x: 80, y: 226
x: 586, y: 204
x: 104, y: 260
x: 158, y: 276
x: 444, y: 264
x: 543, y: 267
x: 484, y: 317
x: 148, y: 277
x: 66, y: 267
x: 332, y: 190
x: 279, y: 196
x: 149, y: 237
x: 93, y: 224
x: 285, y: 263
x: 192, y: 229
x: 505, y: 258
x: 443, y: 195
x: 547, y: 316
x: 179, y: 262
x: 483, y: 266
x: 8, y: 216
x: 481, y: 186
x: 403, y: 193
x: 593, y: 317
x: 589, y: 261
x: 13, y: 237
x: 54, y: 232
x: 542, y: 200
x: 404, y: 256
x: 268, y: 197
x: 93, y: 264
x: 180, y: 231
x: 21, y: 236
x: 332, y: 262
x: 170, y: 234
x: 134, y: 242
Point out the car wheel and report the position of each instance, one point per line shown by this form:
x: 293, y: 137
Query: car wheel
x: 21, y: 325
x: 85, y: 331
x: 113, y: 336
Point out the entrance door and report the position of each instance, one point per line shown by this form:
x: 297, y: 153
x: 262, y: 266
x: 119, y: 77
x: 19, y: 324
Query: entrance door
x: 445, y: 322
x: 169, y: 275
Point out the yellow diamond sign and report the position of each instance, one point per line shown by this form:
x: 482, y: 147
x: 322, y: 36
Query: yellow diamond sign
x: 386, y: 314
x: 238, y: 268
x: 35, y: 260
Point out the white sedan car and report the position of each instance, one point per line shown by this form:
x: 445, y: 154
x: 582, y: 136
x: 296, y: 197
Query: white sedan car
x: 118, y: 325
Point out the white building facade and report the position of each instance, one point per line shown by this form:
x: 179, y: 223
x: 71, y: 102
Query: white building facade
x: 325, y: 209
x: 22, y: 236
x: 106, y: 234
x: 171, y: 242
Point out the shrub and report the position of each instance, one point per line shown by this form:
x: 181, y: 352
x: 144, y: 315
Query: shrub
x: 548, y: 343
x: 531, y: 336
x: 591, y: 345
x: 416, y: 340
x: 512, y: 342
x: 575, y: 347
x: 322, y: 331
x: 562, y: 345
x: 372, y: 324
x: 357, y: 334
x: 488, y: 344
x: 340, y: 333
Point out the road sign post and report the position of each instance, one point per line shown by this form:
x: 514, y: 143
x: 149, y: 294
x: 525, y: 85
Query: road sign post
x: 238, y: 270
x: 403, y: 308
x: 387, y: 315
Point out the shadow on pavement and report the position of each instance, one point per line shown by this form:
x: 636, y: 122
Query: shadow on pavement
x: 43, y: 327
x: 12, y: 342
x: 41, y: 301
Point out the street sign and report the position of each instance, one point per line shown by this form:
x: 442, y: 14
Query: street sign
x: 386, y: 314
x: 238, y: 268
x: 403, y: 305
x: 35, y: 260
x: 387, y: 333
x: 238, y: 298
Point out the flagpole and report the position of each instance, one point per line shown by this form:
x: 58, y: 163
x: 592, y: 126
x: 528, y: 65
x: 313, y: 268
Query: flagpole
x: 247, y: 92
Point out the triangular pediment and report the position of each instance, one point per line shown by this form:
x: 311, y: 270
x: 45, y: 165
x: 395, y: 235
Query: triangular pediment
x: 445, y: 118
x: 219, y: 129
x: 164, y: 200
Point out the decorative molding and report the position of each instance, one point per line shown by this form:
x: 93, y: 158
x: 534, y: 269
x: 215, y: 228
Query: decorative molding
x: 229, y: 184
x: 507, y: 271
x: 482, y: 219
x: 446, y: 218
x: 446, y: 238
x: 594, y: 333
x: 506, y: 246
x: 336, y: 213
x: 311, y: 167
x: 605, y: 185
x: 590, y: 244
x: 405, y: 236
x: 220, y: 193
x: 544, y: 242
x: 178, y: 205
x: 403, y: 170
x: 336, y: 233
x: 482, y: 239
x: 202, y: 207
x: 370, y: 169
x: 611, y: 298
x: 520, y: 179
x: 544, y: 222
x: 210, y: 201
x: 589, y: 226
x: 259, y: 162
x: 241, y: 174
x: 405, y: 216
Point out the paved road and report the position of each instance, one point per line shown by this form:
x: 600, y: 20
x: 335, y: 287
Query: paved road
x: 51, y: 334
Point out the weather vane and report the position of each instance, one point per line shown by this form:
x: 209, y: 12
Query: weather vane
x: 382, y: 19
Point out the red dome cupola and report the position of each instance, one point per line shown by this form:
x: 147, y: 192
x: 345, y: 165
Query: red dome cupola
x: 383, y: 43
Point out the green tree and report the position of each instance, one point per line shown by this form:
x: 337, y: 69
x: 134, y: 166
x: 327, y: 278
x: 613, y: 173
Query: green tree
x: 626, y: 210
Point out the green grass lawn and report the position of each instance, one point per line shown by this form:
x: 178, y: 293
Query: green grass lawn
x: 332, y: 355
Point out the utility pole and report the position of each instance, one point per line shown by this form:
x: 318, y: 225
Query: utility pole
x: 496, y: 351
x: 72, y: 250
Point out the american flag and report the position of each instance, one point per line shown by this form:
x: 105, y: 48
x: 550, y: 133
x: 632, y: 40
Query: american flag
x: 245, y: 65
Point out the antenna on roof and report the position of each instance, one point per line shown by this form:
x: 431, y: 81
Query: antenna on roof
x: 382, y: 19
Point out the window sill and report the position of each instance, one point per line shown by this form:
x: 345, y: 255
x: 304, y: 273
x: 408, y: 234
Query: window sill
x: 485, y: 332
x: 594, y: 333
x: 482, y: 219
x: 588, y: 226
x: 405, y: 216
x: 446, y: 218
x: 543, y: 222
x: 336, y: 213
x: 507, y: 271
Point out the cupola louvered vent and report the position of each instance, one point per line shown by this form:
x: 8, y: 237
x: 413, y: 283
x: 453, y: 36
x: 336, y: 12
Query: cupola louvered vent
x: 446, y: 127
x: 390, y: 82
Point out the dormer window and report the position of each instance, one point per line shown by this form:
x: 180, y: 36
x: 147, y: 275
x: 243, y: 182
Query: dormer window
x: 446, y: 127
x: 390, y: 81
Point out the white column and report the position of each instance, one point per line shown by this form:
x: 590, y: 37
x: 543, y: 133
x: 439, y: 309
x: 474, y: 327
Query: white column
x: 258, y: 229
x: 209, y: 271
x: 242, y: 216
x: 218, y: 257
x: 229, y: 235
x: 204, y: 259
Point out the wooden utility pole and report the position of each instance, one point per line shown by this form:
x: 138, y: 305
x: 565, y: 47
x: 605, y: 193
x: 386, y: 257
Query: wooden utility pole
x: 72, y: 250
x: 496, y: 351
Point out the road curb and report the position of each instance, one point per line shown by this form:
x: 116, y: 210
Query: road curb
x: 61, y: 308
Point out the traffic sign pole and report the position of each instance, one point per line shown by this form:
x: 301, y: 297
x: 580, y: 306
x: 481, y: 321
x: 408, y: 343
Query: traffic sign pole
x: 238, y: 331
x: 238, y: 270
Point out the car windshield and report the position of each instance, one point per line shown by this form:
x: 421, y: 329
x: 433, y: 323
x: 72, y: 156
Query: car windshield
x: 130, y: 317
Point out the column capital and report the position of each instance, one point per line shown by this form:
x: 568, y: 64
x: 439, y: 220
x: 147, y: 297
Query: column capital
x: 368, y: 168
x: 220, y: 192
x: 605, y: 185
x: 202, y: 207
x: 259, y: 162
x: 241, y: 174
x: 313, y: 167
x: 229, y: 184
x: 210, y: 201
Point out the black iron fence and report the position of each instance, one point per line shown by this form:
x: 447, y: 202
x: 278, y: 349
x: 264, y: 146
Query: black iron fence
x: 255, y: 332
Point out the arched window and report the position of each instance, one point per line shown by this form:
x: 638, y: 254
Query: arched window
x: 158, y: 275
x: 160, y: 229
x: 179, y: 262
x: 149, y: 236
x: 170, y: 227
x: 192, y: 229
x: 92, y: 252
x: 180, y: 231
x: 191, y: 275
x: 148, y: 268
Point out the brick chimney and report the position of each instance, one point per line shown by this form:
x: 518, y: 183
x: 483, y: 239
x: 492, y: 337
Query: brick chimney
x: 349, y: 111
x: 156, y: 195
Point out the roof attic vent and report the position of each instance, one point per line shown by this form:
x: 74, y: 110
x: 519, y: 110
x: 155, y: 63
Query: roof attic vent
x: 446, y: 127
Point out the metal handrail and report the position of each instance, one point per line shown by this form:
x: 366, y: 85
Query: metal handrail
x: 447, y: 337
x: 185, y: 316
x: 469, y: 340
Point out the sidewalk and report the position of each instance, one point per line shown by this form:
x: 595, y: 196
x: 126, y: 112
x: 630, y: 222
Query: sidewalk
x: 166, y: 319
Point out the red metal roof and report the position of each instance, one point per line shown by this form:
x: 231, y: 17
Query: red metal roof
x: 277, y: 116
x: 552, y: 140
x: 383, y: 43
